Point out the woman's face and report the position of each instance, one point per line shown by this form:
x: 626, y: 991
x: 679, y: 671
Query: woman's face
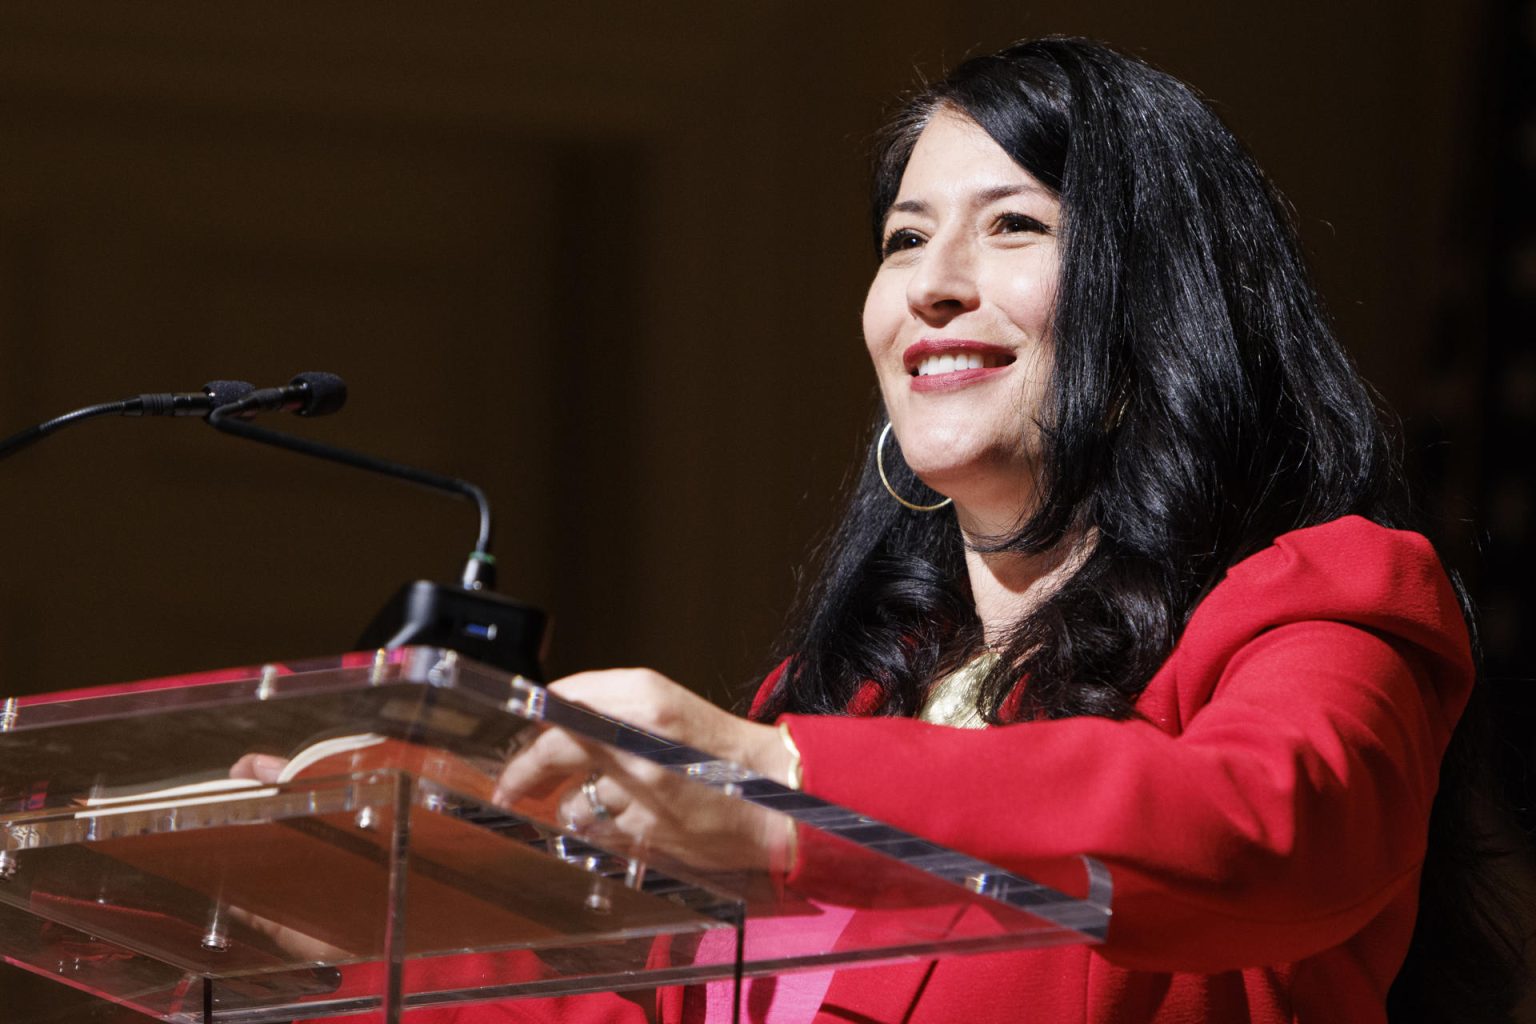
x: 957, y: 320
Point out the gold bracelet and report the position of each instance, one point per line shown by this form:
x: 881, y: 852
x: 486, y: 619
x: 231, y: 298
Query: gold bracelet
x: 796, y: 766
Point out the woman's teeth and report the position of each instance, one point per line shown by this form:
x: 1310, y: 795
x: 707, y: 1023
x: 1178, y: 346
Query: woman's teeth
x: 952, y: 361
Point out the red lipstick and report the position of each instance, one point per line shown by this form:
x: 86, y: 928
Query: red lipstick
x: 998, y: 356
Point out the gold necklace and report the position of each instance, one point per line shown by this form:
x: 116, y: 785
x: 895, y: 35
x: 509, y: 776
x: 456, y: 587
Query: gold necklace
x: 951, y: 699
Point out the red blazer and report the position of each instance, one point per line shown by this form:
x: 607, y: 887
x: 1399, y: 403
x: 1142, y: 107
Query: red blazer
x: 1265, y: 822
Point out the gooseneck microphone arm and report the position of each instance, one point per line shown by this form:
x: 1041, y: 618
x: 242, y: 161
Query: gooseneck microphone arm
x: 316, y: 394
x: 191, y: 403
x: 470, y: 618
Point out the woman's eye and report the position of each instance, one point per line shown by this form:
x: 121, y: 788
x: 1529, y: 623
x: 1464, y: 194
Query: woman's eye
x: 1011, y: 223
x: 900, y: 241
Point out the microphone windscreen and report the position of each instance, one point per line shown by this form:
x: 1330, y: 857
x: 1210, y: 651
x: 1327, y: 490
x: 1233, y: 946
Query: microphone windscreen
x: 225, y: 392
x: 326, y: 393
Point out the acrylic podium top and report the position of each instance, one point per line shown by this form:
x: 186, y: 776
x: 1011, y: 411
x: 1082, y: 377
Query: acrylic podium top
x: 133, y: 867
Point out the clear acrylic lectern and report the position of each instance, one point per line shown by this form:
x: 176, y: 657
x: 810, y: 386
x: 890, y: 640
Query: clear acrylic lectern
x: 378, y: 874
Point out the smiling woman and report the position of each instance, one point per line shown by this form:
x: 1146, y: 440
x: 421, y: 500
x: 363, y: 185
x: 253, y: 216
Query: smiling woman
x: 958, y: 321
x: 1139, y: 585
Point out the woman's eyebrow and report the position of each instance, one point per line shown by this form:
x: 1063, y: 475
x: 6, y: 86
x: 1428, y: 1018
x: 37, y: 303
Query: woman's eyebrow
x: 908, y: 206
x: 983, y: 197
x: 996, y: 192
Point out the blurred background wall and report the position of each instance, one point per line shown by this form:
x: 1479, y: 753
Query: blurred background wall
x: 606, y: 259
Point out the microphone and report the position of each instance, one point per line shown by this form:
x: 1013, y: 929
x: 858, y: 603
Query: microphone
x: 189, y: 403
x: 309, y: 394
x: 468, y: 618
x: 215, y: 394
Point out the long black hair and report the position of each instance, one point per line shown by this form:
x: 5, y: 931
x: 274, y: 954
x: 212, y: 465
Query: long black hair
x: 1199, y: 406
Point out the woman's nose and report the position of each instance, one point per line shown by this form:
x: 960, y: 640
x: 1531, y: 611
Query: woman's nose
x: 944, y: 282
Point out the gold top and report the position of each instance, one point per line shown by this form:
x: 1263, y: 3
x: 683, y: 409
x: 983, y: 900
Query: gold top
x: 952, y: 699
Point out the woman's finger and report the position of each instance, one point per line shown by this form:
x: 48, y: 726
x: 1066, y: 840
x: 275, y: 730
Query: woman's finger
x: 542, y: 766
x: 264, y: 768
x: 598, y: 800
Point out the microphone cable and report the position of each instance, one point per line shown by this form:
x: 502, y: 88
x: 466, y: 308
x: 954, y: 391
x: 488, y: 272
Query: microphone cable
x: 215, y: 393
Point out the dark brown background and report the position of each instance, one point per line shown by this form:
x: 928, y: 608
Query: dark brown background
x: 606, y: 260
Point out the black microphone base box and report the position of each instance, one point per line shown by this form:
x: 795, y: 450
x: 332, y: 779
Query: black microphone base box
x: 478, y: 624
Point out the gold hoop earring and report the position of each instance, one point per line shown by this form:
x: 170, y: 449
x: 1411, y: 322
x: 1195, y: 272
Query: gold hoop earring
x: 880, y: 465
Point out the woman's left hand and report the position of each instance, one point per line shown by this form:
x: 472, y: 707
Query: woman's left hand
x: 644, y: 801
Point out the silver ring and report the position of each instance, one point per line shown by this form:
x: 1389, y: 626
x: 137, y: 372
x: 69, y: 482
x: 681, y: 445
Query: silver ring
x: 600, y: 810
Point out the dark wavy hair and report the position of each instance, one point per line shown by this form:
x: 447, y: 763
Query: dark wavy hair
x: 1199, y: 407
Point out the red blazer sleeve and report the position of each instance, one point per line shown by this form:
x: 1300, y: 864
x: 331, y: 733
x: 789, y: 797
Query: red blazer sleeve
x: 1276, y: 797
